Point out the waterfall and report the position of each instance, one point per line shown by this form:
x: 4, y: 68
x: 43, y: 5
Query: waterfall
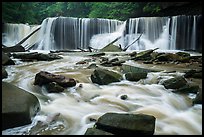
x: 70, y: 33
x: 167, y: 33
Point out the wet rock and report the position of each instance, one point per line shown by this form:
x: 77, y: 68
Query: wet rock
x: 6, y: 60
x: 104, y: 77
x: 144, y: 55
x: 97, y: 54
x: 18, y: 106
x: 4, y: 73
x: 175, y: 83
x: 53, y: 87
x: 135, y: 76
x: 183, y: 54
x: 81, y: 62
x: 133, y: 54
x: 198, y: 98
x: 123, y: 97
x: 92, y: 66
x: 14, y: 49
x: 193, y: 74
x: 94, y: 131
x: 128, y: 68
x: 168, y: 57
x: 44, y: 77
x: 187, y: 89
x: 37, y: 56
x: 127, y: 124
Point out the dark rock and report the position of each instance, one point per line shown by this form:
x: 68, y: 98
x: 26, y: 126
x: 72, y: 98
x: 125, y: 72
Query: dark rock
x: 144, y: 55
x: 111, y: 48
x: 193, y: 74
x: 175, y: 83
x: 4, y: 73
x: 198, y: 98
x: 97, y: 54
x: 18, y: 106
x: 118, y: 63
x: 135, y: 76
x: 94, y: 131
x: 81, y: 62
x: 168, y: 57
x: 183, y: 54
x: 37, y: 56
x: 104, y: 77
x: 123, y: 97
x: 92, y: 66
x: 44, y: 77
x: 53, y: 87
x: 133, y: 54
x: 6, y: 60
x: 187, y: 89
x: 127, y: 124
x: 14, y: 49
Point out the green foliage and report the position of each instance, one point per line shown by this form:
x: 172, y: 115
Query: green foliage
x: 35, y: 12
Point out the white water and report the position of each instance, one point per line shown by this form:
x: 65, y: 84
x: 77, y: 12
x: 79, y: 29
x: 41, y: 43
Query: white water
x: 174, y: 113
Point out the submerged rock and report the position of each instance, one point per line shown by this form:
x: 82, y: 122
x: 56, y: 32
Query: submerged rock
x: 44, y: 77
x: 135, y: 76
x: 175, y: 83
x: 127, y: 124
x: 104, y: 77
x: 6, y: 60
x: 18, y: 106
x: 94, y: 131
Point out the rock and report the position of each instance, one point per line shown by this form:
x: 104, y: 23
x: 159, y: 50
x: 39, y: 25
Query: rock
x: 81, y: 62
x: 14, y: 49
x: 6, y: 60
x: 53, y: 87
x: 4, y: 73
x: 168, y: 57
x: 123, y: 97
x: 92, y: 66
x: 37, y: 56
x: 111, y: 48
x: 94, y: 131
x: 135, y: 76
x: 187, y: 89
x: 175, y: 83
x: 97, y: 54
x: 144, y: 55
x: 18, y: 106
x: 133, y: 54
x: 198, y: 98
x: 193, y: 74
x: 44, y: 77
x: 127, y: 124
x: 183, y: 54
x: 104, y: 77
x: 128, y: 68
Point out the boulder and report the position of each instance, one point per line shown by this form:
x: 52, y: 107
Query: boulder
x: 198, y: 98
x: 187, y: 89
x: 92, y: 66
x: 6, y: 60
x: 53, y: 87
x: 193, y: 74
x: 4, y: 73
x: 183, y: 54
x: 127, y: 124
x: 123, y: 97
x: 18, y: 106
x: 135, y: 76
x: 94, y: 131
x: 175, y: 83
x: 168, y: 57
x: 104, y: 77
x: 144, y: 55
x: 128, y: 68
x: 44, y: 77
x: 111, y: 48
x: 14, y: 49
x: 37, y: 56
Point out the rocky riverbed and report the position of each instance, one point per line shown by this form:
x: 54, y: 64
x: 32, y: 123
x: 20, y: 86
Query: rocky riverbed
x: 165, y: 86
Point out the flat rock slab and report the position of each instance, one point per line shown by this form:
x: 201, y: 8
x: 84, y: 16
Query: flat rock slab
x: 127, y: 124
x: 18, y: 106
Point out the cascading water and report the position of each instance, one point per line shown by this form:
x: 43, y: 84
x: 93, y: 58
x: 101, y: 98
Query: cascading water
x: 167, y: 33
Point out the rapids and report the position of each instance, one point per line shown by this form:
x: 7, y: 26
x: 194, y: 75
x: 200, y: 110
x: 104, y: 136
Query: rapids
x: 81, y: 106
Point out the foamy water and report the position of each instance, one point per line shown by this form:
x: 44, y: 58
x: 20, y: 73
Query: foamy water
x: 80, y: 107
